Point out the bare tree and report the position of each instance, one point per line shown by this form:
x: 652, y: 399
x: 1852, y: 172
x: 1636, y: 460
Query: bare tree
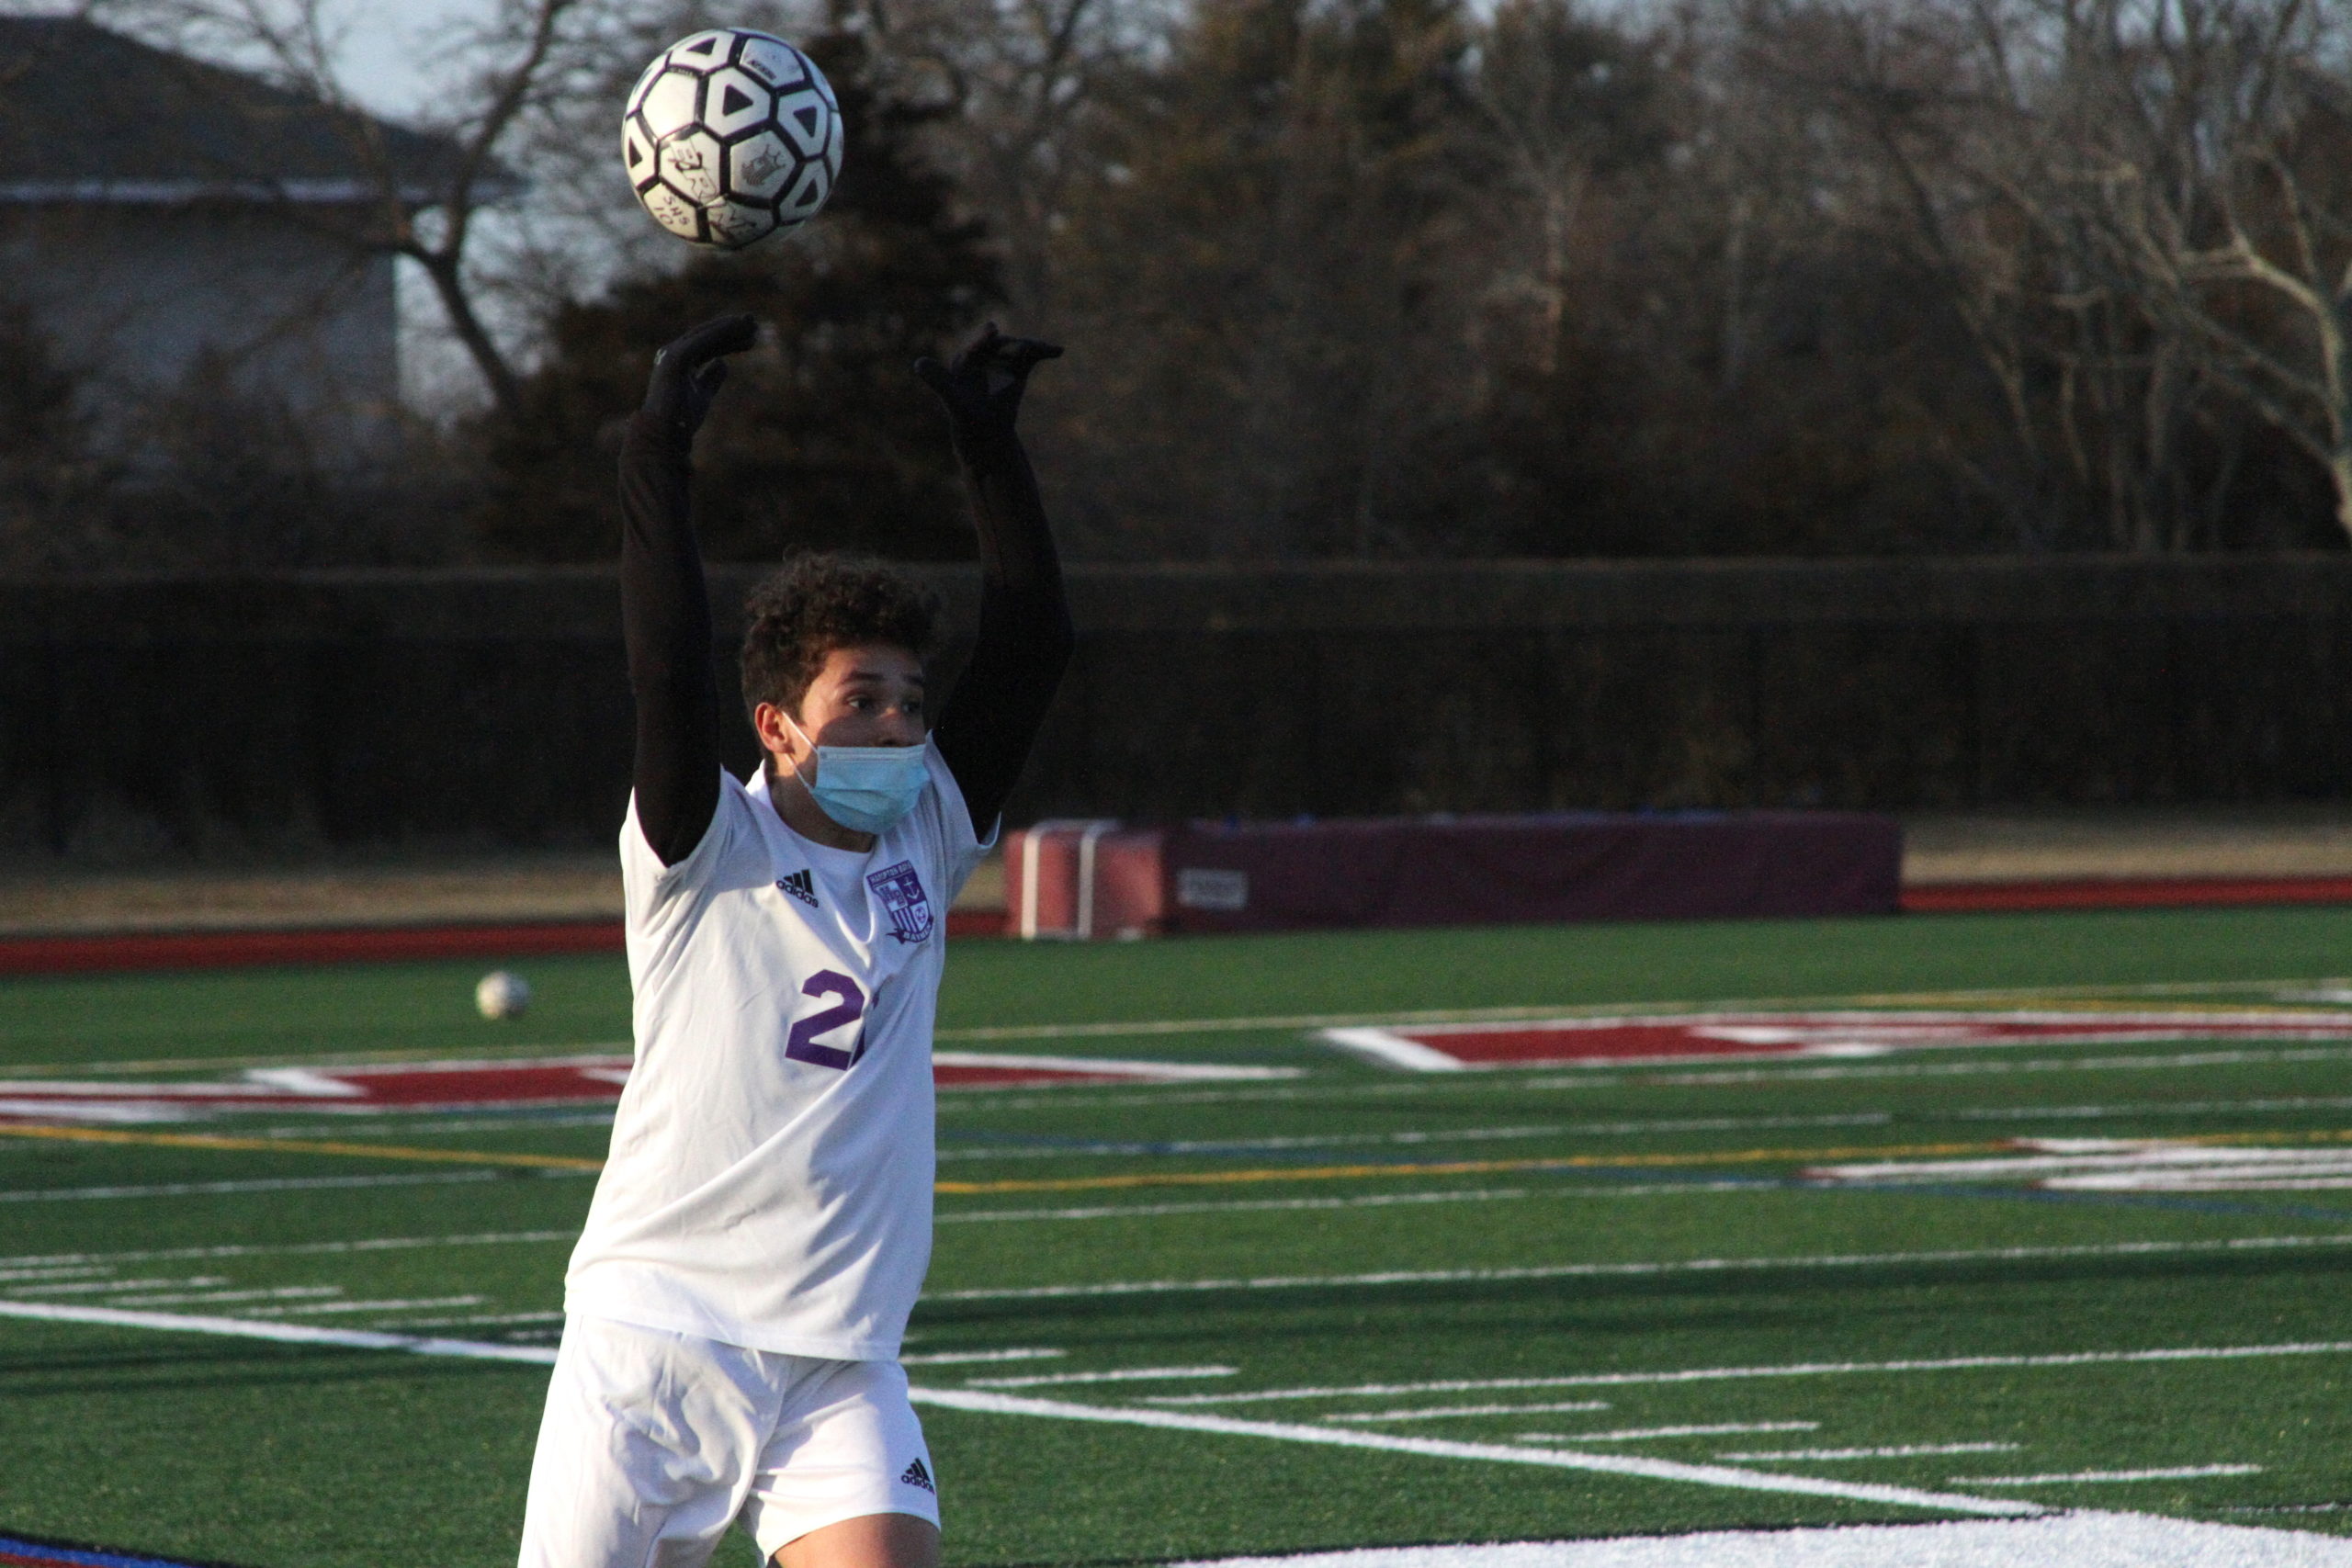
x: 2208, y: 159
x: 421, y: 191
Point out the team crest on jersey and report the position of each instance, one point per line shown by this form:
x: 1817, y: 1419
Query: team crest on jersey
x: 903, y: 898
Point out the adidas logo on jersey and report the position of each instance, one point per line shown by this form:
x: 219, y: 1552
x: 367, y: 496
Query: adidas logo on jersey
x: 916, y: 1475
x: 801, y: 885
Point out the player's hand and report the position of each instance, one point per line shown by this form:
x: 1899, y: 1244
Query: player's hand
x: 689, y: 372
x: 982, y: 385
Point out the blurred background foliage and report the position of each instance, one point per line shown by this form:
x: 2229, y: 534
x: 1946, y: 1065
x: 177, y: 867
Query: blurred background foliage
x: 1381, y: 278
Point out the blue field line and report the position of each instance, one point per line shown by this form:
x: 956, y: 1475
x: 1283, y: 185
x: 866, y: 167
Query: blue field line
x: 32, y: 1552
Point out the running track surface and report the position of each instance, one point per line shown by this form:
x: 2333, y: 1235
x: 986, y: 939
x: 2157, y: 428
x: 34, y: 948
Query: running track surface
x: 223, y: 949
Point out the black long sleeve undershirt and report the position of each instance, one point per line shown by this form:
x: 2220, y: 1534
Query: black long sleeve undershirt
x: 1023, y: 643
x: 1024, y: 638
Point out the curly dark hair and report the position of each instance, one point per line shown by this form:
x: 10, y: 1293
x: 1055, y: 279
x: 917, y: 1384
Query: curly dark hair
x: 818, y: 602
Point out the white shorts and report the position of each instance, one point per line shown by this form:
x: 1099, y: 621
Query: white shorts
x: 653, y: 1443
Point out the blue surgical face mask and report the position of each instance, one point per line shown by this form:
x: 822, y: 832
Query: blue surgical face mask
x: 864, y: 788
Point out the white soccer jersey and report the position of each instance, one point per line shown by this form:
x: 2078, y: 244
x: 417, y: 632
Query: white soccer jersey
x: 769, y: 1183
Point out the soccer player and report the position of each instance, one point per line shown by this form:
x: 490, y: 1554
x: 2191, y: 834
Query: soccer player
x: 735, y: 1303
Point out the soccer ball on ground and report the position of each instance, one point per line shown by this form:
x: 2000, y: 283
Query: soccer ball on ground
x: 731, y: 136
x: 503, y: 994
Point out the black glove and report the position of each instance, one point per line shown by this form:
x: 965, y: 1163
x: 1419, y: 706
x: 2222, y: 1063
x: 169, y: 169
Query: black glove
x: 688, y: 373
x: 982, y: 386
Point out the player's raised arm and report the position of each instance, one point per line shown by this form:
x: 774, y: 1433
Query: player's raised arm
x: 665, y: 605
x: 1025, y: 635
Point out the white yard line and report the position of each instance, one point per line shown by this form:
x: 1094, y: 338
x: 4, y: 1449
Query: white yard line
x: 2080, y: 1538
x: 406, y: 1305
x: 279, y: 1332
x: 1436, y: 1412
x: 1261, y: 1205
x: 1412, y: 1137
x: 1361, y: 1391
x: 1565, y: 1458
x: 1940, y: 1070
x: 280, y: 1184
x: 115, y: 1287
x: 1648, y: 1433
x: 1591, y: 1079
x: 213, y: 1298
x: 2183, y: 1472
x: 1900, y: 1450
x: 2129, y: 1107
x: 1125, y: 1374
x: 293, y: 1248
x: 1786, y: 1369
x: 985, y: 1401
x: 1637, y: 1269
x: 953, y: 1357
x: 2014, y: 996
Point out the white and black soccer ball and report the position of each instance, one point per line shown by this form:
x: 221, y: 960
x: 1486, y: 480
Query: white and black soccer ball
x: 503, y: 994
x: 731, y: 136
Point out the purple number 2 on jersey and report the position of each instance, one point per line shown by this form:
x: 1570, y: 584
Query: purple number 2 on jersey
x: 849, y: 1005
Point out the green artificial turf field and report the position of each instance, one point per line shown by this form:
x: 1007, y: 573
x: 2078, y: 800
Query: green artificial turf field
x: 1354, y: 1307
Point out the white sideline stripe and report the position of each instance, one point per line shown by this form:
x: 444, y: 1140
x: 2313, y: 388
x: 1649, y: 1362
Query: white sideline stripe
x: 282, y: 1184
x: 1565, y: 1459
x: 975, y: 1400
x: 1389, y: 1050
x: 1261, y: 1205
x: 2183, y: 1472
x: 1125, y: 1374
x: 1432, y: 1414
x: 2079, y: 1539
x: 1641, y: 1270
x: 83, y: 1272
x: 1900, y: 1450
x: 1793, y: 1369
x: 280, y: 1333
x: 1644, y: 1434
x: 950, y: 1358
x: 290, y: 1248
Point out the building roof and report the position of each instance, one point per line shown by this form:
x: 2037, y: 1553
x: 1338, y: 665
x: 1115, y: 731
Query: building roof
x: 88, y: 114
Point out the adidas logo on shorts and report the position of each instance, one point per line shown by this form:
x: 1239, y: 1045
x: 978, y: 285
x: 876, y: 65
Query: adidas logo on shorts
x: 916, y: 1475
x: 801, y: 885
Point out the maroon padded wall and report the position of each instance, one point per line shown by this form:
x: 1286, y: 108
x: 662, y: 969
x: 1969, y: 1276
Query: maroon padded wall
x: 1476, y: 871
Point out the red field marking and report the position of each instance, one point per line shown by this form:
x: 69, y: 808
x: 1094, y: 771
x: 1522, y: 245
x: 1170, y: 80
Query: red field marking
x: 1714, y: 1036
x: 1954, y: 898
x: 459, y: 1086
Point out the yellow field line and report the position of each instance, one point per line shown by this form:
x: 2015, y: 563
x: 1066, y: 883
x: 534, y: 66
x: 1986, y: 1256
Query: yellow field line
x: 1158, y: 1178
x: 297, y: 1146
